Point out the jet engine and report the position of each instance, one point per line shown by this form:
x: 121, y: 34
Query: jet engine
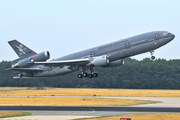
x: 115, y: 63
x: 43, y: 56
x: 99, y: 61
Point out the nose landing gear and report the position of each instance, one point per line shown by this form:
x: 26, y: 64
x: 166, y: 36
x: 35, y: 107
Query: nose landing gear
x: 152, y: 57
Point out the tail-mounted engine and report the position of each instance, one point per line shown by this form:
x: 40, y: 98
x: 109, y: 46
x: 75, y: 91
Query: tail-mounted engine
x: 35, y: 58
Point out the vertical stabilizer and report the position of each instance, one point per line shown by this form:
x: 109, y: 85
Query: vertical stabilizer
x: 20, y: 49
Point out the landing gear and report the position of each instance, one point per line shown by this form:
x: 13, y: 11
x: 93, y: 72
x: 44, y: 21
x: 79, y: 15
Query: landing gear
x: 90, y: 75
x: 80, y: 76
x: 152, y: 57
x: 84, y: 74
x: 95, y: 75
x: 20, y: 75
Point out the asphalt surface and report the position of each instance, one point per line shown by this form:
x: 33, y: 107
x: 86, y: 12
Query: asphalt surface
x: 165, y: 105
x: 91, y: 108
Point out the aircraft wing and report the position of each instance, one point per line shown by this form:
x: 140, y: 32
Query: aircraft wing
x: 64, y: 62
x: 26, y: 70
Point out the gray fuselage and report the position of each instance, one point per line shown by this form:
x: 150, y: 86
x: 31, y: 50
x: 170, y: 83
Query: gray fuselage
x: 115, y: 50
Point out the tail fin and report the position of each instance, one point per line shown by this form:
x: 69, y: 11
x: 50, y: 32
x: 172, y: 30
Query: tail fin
x: 20, y: 49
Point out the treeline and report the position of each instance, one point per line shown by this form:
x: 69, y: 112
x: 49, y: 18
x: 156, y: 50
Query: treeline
x: 134, y: 74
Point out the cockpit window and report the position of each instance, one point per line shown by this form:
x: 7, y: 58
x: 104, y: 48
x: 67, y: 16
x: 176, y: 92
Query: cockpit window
x: 169, y: 33
x: 165, y: 33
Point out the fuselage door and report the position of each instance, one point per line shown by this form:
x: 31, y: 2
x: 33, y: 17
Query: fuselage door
x: 127, y: 50
x: 157, y: 37
x: 127, y: 44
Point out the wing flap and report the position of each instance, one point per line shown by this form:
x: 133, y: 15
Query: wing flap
x: 26, y: 70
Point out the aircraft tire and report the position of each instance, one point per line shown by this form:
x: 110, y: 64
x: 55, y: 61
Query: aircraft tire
x: 85, y: 75
x: 153, y: 57
x: 95, y: 75
x: 90, y: 75
x: 80, y: 76
x: 20, y: 75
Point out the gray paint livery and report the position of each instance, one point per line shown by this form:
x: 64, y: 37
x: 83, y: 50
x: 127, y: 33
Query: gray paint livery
x: 31, y: 64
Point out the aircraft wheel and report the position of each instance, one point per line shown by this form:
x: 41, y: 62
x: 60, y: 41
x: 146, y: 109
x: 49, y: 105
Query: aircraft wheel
x: 90, y: 76
x: 20, y: 75
x: 95, y: 75
x: 153, y: 57
x: 80, y: 75
x: 85, y: 75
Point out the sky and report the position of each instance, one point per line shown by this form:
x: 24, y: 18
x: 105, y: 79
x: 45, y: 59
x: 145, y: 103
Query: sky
x: 66, y: 26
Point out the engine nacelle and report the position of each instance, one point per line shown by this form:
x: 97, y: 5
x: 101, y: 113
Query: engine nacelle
x: 35, y: 58
x: 115, y: 63
x: 99, y: 61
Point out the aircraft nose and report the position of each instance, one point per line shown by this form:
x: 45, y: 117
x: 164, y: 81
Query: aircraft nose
x: 173, y: 36
x: 169, y: 37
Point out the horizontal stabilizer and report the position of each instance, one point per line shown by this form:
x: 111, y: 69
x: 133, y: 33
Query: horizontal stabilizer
x: 17, y: 77
x: 64, y: 62
x: 26, y: 70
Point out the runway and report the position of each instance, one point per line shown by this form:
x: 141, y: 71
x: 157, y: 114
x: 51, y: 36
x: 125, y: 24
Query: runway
x: 165, y: 105
x: 91, y: 108
x: 74, y: 112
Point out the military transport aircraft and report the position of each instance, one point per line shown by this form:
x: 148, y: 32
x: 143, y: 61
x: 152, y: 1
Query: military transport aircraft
x: 31, y: 64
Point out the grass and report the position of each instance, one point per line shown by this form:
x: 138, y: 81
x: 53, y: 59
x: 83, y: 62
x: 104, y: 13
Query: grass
x: 6, y: 89
x: 28, y: 91
x: 4, y: 114
x: 152, y: 116
x: 68, y: 101
x: 36, y: 88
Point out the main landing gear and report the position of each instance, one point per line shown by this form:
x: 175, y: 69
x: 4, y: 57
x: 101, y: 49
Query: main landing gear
x: 84, y: 74
x: 87, y: 75
x: 152, y: 57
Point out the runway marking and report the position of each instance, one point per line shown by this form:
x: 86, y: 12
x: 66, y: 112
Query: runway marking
x: 84, y: 112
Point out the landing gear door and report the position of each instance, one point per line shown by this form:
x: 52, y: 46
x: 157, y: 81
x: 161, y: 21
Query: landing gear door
x: 127, y: 44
